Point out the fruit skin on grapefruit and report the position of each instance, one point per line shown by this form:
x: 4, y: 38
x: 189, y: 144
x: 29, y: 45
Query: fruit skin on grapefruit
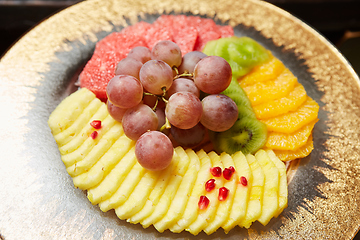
x: 189, y: 32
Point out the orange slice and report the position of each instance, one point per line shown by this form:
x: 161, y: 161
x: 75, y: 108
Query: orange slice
x: 283, y: 105
x: 293, y: 141
x: 263, y: 72
x: 293, y: 121
x: 262, y: 92
x: 288, y: 155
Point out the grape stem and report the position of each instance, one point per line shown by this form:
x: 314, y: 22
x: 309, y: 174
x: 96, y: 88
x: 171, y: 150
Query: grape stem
x: 185, y: 74
x: 167, y: 125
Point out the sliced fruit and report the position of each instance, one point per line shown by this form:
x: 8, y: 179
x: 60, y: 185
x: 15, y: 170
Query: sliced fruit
x: 288, y: 155
x: 178, y: 204
x: 246, y: 135
x: 271, y: 187
x: 158, y: 190
x: 242, y: 53
x: 191, y: 210
x: 283, y: 185
x: 170, y: 191
x: 254, y: 207
x: 136, y: 198
x: 131, y: 180
x: 293, y: 121
x: 290, y: 141
x: 79, y: 125
x: 282, y: 105
x: 69, y: 111
x: 106, y: 188
x: 107, y: 135
x: 262, y: 92
x: 104, y: 165
x: 236, y: 93
x: 223, y: 210
x: 207, y: 215
x: 266, y: 71
x: 242, y: 193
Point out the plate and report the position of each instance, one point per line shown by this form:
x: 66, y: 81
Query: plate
x: 38, y: 199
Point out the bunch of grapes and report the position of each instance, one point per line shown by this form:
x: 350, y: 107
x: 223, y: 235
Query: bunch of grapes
x: 159, y: 93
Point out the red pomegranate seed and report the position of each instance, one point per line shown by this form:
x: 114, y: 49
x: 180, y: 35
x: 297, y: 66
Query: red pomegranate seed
x: 243, y: 181
x: 203, y: 202
x: 210, y: 185
x: 216, y: 171
x: 94, y: 134
x: 223, y: 193
x: 96, y: 124
x: 228, y: 172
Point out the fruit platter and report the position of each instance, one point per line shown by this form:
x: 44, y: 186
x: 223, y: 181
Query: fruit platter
x: 194, y: 121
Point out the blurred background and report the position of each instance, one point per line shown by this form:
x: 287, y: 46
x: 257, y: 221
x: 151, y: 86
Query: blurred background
x: 337, y: 20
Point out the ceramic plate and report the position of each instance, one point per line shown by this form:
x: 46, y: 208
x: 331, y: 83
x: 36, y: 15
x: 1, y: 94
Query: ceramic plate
x: 37, y: 196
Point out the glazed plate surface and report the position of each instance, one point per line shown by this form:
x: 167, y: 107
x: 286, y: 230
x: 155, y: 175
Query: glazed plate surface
x: 37, y: 196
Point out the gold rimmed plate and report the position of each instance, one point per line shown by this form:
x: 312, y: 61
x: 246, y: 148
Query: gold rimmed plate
x: 37, y: 197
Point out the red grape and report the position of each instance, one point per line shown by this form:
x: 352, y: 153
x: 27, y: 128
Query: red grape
x: 154, y: 151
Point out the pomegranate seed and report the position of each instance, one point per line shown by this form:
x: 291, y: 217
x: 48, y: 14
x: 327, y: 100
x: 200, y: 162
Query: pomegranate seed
x: 203, y: 202
x: 94, y: 134
x: 223, y: 193
x: 96, y: 124
x: 228, y: 172
x: 243, y: 181
x: 210, y: 185
x: 216, y: 171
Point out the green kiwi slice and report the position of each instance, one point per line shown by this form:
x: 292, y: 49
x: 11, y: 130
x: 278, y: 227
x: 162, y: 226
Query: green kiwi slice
x: 236, y: 93
x: 247, y: 135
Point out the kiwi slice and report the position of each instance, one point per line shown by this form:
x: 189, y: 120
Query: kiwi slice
x: 247, y: 135
x: 246, y: 112
x: 236, y: 93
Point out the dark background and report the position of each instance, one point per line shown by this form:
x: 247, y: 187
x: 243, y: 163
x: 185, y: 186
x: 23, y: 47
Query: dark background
x: 337, y: 20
